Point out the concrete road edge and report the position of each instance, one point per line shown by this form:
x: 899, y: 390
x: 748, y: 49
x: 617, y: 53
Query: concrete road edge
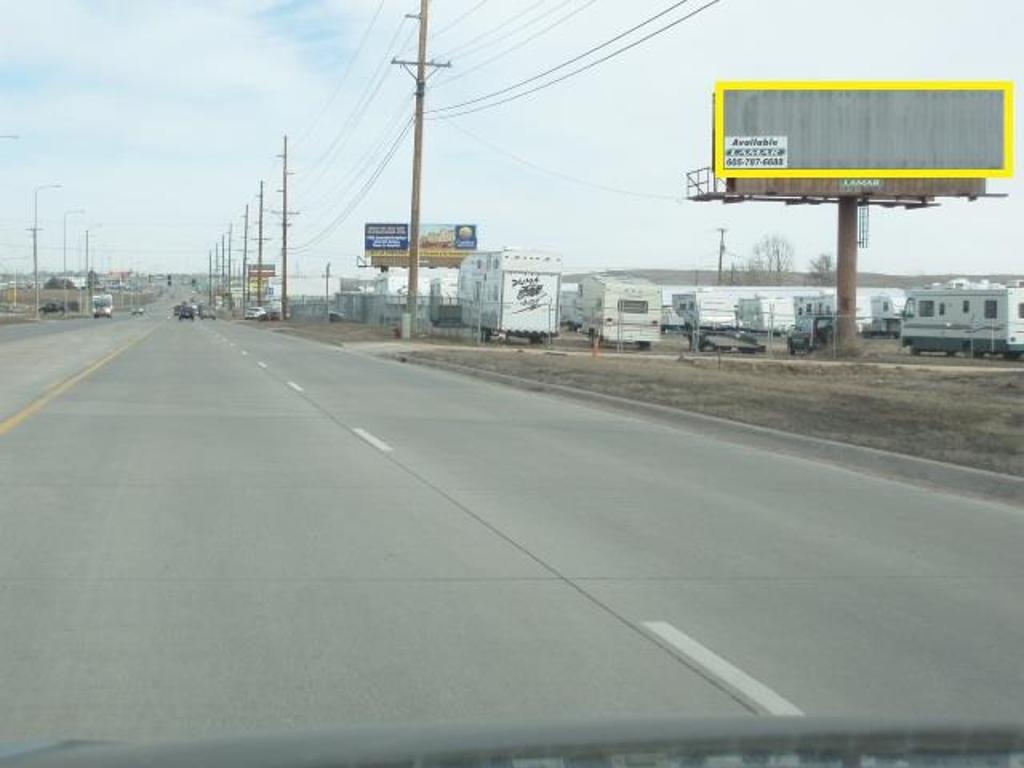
x: 923, y: 472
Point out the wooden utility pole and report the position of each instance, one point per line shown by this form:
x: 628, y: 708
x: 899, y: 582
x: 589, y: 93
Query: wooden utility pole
x: 284, y: 230
x: 421, y: 64
x: 721, y: 251
x: 245, y: 259
x: 209, y: 277
x: 231, y: 295
x: 259, y: 253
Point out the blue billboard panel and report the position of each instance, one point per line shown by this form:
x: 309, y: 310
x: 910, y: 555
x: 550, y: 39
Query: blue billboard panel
x: 386, y: 237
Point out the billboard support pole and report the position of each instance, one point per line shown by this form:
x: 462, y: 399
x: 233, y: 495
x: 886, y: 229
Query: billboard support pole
x: 846, y: 274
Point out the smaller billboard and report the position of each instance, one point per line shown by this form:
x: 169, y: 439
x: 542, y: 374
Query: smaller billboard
x: 441, y: 245
x: 262, y: 270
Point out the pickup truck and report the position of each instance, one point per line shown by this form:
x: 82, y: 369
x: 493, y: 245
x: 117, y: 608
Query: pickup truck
x: 811, y: 332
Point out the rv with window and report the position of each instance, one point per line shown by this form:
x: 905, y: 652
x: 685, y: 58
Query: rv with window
x: 621, y: 309
x: 972, y: 320
x: 886, y: 315
x: 775, y: 314
x: 512, y: 292
x: 707, y: 309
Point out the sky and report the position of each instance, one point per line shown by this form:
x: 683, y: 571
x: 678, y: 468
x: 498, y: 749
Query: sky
x: 160, y: 119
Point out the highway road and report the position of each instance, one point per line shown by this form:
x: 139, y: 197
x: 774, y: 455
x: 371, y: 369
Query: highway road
x: 208, y: 527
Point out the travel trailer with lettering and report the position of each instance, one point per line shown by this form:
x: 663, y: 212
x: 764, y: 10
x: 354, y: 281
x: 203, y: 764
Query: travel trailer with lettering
x: 512, y: 292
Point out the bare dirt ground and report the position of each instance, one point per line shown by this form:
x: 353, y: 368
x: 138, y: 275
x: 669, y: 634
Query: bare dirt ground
x: 972, y: 417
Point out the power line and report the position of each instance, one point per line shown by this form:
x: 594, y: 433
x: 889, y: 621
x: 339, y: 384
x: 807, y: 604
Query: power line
x: 511, y: 49
x: 572, y: 73
x: 355, y: 116
x: 458, y: 19
x: 493, y: 30
x: 470, y: 50
x: 368, y: 157
x: 344, y: 78
x: 360, y: 195
x: 578, y: 57
x: 558, y: 174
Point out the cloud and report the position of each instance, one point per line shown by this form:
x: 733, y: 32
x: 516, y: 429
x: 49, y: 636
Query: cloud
x: 151, y: 111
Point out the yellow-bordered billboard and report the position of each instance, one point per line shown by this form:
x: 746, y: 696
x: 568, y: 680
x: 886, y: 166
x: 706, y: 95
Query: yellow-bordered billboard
x: 863, y: 129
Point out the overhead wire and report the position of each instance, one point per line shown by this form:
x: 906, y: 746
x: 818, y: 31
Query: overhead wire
x: 458, y: 19
x: 360, y: 194
x: 572, y: 73
x: 494, y: 30
x: 510, y: 33
x: 564, y: 64
x: 359, y: 110
x: 511, y: 49
x: 344, y: 78
x: 558, y: 174
x: 367, y: 158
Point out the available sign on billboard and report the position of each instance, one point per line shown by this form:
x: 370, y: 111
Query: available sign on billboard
x: 441, y: 245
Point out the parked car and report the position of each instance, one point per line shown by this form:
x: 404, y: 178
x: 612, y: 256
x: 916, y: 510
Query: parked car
x: 50, y: 308
x: 255, y: 313
x: 273, y: 313
x: 138, y: 311
x: 205, y: 313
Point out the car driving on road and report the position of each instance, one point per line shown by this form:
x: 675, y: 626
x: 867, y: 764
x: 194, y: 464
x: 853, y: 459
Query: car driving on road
x: 255, y: 313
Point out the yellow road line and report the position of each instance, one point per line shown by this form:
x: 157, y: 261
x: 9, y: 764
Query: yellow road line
x: 56, y: 390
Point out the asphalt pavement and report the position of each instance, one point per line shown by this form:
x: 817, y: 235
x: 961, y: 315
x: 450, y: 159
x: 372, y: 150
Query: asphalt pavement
x: 216, y: 528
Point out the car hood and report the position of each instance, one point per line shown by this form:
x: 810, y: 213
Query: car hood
x: 656, y: 743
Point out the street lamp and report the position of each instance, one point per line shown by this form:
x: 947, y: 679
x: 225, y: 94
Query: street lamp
x: 35, y: 238
x: 65, y: 255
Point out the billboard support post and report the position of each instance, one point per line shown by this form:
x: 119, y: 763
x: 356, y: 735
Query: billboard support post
x: 846, y: 274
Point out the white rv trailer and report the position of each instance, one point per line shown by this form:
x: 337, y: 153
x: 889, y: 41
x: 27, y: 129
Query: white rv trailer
x: 972, y: 321
x: 706, y: 308
x: 621, y: 309
x: 775, y: 314
x: 886, y: 315
x: 512, y: 292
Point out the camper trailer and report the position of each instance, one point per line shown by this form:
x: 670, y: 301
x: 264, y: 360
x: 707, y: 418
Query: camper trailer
x: 886, y: 316
x: 973, y: 321
x: 513, y: 292
x: 621, y: 309
x: 764, y: 314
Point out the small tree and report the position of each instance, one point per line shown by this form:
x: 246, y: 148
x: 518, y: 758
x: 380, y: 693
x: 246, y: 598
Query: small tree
x: 822, y: 269
x: 774, y: 254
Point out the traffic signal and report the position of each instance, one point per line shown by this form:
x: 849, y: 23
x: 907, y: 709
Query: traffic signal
x: 168, y: 279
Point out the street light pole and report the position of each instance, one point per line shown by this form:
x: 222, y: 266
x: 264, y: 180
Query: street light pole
x: 65, y: 256
x: 35, y: 239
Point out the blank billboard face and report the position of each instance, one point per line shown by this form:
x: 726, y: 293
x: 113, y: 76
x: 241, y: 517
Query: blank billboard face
x: 836, y: 130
